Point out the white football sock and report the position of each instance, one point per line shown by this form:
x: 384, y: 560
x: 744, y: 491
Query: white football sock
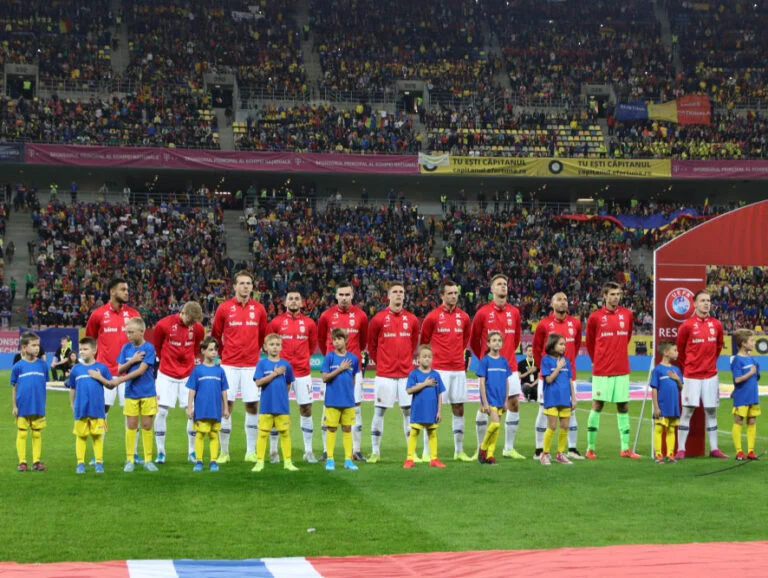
x: 224, y: 433
x: 407, y: 423
x: 160, y: 428
x: 481, y: 425
x: 710, y: 418
x: 458, y: 434
x: 684, y: 427
x: 274, y: 441
x: 357, y: 430
x: 191, y: 433
x: 307, y: 429
x: 510, y: 429
x: 573, y: 431
x: 377, y: 429
x: 541, y: 428
x: 251, y: 432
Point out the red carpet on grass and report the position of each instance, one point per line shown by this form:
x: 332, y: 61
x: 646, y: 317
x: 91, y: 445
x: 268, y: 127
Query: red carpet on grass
x: 721, y: 560
x: 679, y: 560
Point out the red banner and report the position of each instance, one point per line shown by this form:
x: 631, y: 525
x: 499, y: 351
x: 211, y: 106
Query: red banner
x: 164, y: 158
x: 694, y: 109
x: 9, y: 341
x: 720, y: 169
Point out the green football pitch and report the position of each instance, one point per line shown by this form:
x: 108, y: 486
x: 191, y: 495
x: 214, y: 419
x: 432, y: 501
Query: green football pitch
x: 381, y: 509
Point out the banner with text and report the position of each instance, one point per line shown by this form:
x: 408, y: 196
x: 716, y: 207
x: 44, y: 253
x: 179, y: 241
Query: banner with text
x: 163, y: 158
x: 544, y: 167
x: 720, y: 169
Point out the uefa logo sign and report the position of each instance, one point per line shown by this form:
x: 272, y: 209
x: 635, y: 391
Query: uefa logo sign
x: 679, y: 304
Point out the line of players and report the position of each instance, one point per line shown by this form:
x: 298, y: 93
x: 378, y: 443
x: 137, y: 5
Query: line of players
x: 391, y: 338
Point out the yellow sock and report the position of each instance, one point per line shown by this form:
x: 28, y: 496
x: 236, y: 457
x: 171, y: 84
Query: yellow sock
x: 493, y: 435
x: 658, y: 431
x: 261, y: 444
x: 199, y: 446
x: 148, y: 441
x: 751, y: 436
x: 37, y: 445
x: 98, y: 448
x: 80, y: 444
x: 285, y: 444
x: 130, y: 443
x: 671, y: 439
x: 21, y: 445
x: 548, y: 436
x: 413, y: 441
x: 736, y: 433
x: 432, y: 442
x: 330, y: 441
x: 562, y: 440
x: 346, y: 440
x: 492, y: 427
x: 213, y: 446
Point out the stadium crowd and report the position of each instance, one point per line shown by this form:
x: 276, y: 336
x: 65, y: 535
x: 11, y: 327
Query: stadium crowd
x: 728, y: 137
x: 176, y: 121
x: 175, y: 44
x: 68, y: 40
x: 722, y: 49
x: 170, y: 254
x: 486, y: 131
x: 366, y: 46
x: 551, y: 49
x: 325, y: 128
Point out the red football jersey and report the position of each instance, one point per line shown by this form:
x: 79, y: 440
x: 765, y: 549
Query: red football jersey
x: 392, y: 341
x: 608, y: 336
x: 240, y: 331
x: 447, y: 331
x: 299, y: 335
x: 504, y: 319
x: 107, y: 326
x: 569, y: 327
x: 699, y: 343
x: 354, y: 320
x: 177, y: 345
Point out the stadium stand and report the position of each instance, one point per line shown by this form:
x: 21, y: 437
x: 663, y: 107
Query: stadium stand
x: 326, y: 129
x: 488, y: 132
x: 365, y: 46
x: 728, y: 137
x: 550, y: 49
x: 169, y: 254
x: 67, y: 39
x: 172, y: 44
x: 184, y: 121
x: 722, y: 47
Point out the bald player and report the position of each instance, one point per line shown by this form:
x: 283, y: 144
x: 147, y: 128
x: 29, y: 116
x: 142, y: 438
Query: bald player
x: 570, y: 328
x: 498, y: 315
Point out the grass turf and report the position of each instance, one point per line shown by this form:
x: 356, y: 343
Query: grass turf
x: 381, y: 509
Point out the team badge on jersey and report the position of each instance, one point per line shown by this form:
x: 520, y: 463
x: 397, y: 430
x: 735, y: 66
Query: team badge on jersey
x: 351, y: 322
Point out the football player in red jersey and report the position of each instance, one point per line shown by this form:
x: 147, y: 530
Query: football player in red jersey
x: 498, y: 315
x: 299, y: 335
x: 240, y: 325
x: 351, y: 318
x: 446, y: 329
x: 570, y: 328
x: 107, y: 325
x: 177, y: 342
x: 609, y: 330
x: 699, y: 343
x: 393, y: 335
